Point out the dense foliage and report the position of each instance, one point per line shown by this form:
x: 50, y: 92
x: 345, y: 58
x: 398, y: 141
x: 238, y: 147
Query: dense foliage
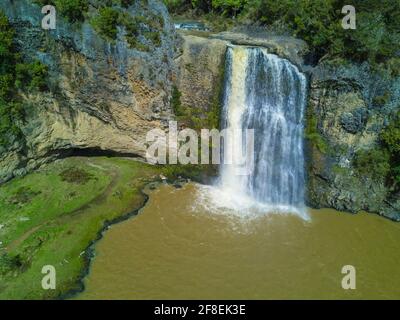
x: 384, y: 160
x: 391, y: 142
x: 110, y: 16
x: 73, y: 10
x: 373, y: 162
x: 312, y: 134
x: 318, y: 22
x: 15, y: 74
x: 106, y: 22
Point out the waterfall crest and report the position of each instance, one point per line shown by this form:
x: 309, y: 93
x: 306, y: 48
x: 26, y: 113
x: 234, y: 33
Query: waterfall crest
x: 268, y: 94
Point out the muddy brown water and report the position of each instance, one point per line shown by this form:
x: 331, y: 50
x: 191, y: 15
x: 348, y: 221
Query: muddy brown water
x: 178, y: 248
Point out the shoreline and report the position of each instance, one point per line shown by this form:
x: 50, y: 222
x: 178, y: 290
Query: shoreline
x: 89, y: 252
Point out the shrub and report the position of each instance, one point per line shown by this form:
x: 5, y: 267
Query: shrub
x: 10, y: 263
x: 106, y: 23
x: 72, y: 10
x: 312, y: 134
x: 176, y: 101
x: 393, y: 66
x: 154, y: 37
x: 192, y: 171
x: 318, y: 22
x: 75, y: 175
x: 31, y: 76
x: 124, y: 3
x: 108, y: 19
x: 23, y: 195
x: 390, y: 136
x: 228, y: 7
x: 373, y: 162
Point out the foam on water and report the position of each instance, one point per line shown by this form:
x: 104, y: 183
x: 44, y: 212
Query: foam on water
x: 223, y: 201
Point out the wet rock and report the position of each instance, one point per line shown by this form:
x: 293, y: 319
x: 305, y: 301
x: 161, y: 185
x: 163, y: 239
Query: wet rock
x: 347, y: 121
x: 355, y: 121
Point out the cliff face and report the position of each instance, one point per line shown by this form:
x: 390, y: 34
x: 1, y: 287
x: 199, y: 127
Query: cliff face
x: 202, y: 59
x: 350, y: 112
x: 103, y: 94
x: 342, y: 114
x: 106, y: 96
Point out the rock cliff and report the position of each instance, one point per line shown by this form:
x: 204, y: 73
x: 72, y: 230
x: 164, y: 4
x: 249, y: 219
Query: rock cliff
x: 349, y: 112
x: 348, y: 106
x: 104, y: 95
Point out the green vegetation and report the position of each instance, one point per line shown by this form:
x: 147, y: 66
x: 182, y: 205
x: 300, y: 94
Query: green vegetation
x: 312, y: 134
x: 390, y: 137
x: 75, y: 175
x: 73, y: 10
x: 31, y: 76
x: 122, y: 3
x: 384, y: 160
x: 176, y: 101
x: 110, y: 16
x: 372, y: 162
x: 108, y: 19
x: 106, y: 22
x: 51, y: 216
x: 153, y: 37
x: 318, y: 22
x: 195, y: 172
x: 15, y: 74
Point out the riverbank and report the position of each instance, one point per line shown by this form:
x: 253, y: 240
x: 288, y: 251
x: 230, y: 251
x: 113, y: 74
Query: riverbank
x: 52, y: 216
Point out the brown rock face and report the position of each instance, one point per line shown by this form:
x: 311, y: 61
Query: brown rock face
x: 346, y: 122
x: 103, y: 95
x: 199, y: 70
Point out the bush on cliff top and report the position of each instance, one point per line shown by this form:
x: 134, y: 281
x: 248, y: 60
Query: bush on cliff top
x: 318, y: 22
x: 72, y: 10
x: 106, y: 22
x: 390, y: 137
x: 108, y: 19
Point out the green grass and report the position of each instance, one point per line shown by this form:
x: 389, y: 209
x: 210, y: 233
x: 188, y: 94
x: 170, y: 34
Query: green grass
x: 312, y: 134
x: 50, y: 220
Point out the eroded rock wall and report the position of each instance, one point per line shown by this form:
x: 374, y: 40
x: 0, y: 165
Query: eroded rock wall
x: 342, y: 101
x: 199, y: 70
x: 103, y: 95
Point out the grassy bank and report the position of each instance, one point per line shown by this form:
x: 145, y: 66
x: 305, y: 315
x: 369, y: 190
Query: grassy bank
x: 51, y: 216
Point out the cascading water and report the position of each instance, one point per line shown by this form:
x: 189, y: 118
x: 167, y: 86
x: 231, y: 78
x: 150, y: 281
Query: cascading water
x: 265, y: 93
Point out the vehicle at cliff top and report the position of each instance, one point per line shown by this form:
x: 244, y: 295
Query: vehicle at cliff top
x: 191, y: 25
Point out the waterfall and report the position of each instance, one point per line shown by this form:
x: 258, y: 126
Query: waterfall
x: 265, y: 93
